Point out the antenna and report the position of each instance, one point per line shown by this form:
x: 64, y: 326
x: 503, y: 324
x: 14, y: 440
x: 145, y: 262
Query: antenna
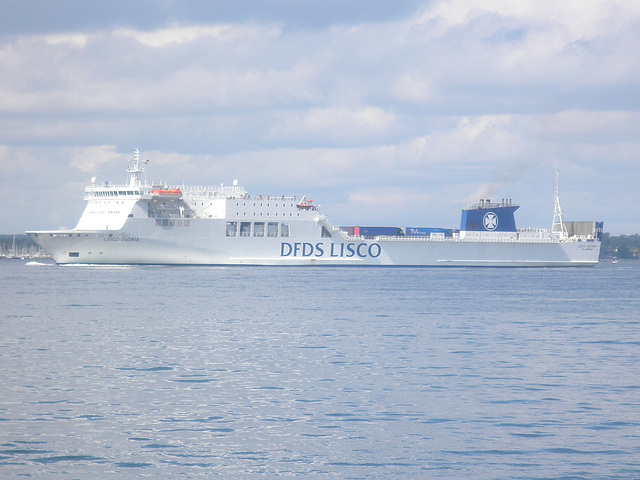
x: 136, y: 169
x: 558, y: 218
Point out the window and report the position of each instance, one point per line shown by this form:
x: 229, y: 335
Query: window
x: 232, y: 229
x: 245, y: 229
x: 325, y: 233
x: 272, y: 229
x: 74, y: 254
x: 284, y: 230
x: 258, y: 229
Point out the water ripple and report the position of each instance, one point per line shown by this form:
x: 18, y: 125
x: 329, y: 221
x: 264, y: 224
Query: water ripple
x: 319, y: 373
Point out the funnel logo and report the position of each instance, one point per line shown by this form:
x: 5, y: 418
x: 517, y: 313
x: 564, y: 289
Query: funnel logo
x: 490, y: 221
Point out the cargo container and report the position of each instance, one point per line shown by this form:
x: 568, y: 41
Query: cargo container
x: 427, y: 231
x: 379, y: 231
x: 348, y: 230
x: 373, y: 231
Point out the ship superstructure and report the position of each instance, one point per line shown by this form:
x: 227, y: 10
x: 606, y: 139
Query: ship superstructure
x: 137, y: 223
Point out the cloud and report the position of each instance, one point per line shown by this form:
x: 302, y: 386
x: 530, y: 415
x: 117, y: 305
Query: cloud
x: 521, y: 53
x: 566, y: 22
x: 388, y: 201
x: 179, y: 35
x: 335, y: 124
x: 16, y: 163
x: 459, y: 98
x: 457, y: 56
x: 586, y: 127
x: 89, y: 159
x: 72, y: 40
x: 413, y: 87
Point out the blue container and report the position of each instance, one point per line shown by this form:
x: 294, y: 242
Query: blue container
x: 426, y: 231
x: 379, y: 231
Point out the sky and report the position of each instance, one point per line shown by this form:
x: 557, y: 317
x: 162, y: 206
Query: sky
x: 385, y: 113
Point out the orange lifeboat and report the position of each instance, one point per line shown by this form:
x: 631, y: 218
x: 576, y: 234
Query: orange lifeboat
x: 306, y: 204
x: 171, y: 191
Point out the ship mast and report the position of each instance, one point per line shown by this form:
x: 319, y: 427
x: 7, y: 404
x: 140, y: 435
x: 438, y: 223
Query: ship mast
x: 558, y: 218
x: 136, y: 169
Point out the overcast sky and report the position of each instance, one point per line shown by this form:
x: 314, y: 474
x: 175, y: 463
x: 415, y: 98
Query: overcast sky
x: 385, y: 113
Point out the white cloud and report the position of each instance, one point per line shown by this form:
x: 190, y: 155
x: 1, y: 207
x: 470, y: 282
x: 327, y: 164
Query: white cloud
x: 386, y: 201
x: 74, y: 40
x: 529, y: 43
x: 179, y: 35
x: 585, y: 126
x: 413, y: 87
x: 457, y: 53
x: 89, y: 159
x: 334, y: 124
x: 567, y: 21
x: 465, y: 97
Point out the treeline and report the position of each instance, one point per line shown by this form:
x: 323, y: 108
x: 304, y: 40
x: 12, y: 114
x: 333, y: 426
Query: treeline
x: 621, y: 246
x: 17, y: 245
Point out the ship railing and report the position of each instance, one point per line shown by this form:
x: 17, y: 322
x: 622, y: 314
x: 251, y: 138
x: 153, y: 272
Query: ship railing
x: 482, y: 204
x: 270, y: 197
x: 581, y: 238
x: 106, y: 193
x: 532, y: 229
x: 208, y: 188
x: 213, y: 192
x: 453, y: 239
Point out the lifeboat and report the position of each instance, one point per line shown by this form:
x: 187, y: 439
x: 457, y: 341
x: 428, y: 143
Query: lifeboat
x: 306, y: 204
x: 170, y: 191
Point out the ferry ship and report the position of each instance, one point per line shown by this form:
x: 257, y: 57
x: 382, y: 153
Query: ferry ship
x: 137, y: 223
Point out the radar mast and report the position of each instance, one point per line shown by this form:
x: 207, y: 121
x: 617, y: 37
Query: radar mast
x: 136, y: 169
x: 558, y: 225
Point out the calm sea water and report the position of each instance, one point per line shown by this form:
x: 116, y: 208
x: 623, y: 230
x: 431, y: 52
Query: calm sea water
x: 347, y: 373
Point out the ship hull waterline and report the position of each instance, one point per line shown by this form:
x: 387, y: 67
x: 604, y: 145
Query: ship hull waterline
x: 96, y: 247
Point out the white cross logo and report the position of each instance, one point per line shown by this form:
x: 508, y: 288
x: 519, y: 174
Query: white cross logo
x: 490, y: 221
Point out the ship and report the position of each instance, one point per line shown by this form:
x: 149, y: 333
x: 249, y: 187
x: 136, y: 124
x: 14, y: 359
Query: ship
x: 144, y: 224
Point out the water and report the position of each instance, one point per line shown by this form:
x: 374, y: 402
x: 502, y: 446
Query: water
x: 384, y: 373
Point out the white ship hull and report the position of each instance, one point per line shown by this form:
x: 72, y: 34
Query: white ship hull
x: 140, y: 224
x: 140, y: 244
